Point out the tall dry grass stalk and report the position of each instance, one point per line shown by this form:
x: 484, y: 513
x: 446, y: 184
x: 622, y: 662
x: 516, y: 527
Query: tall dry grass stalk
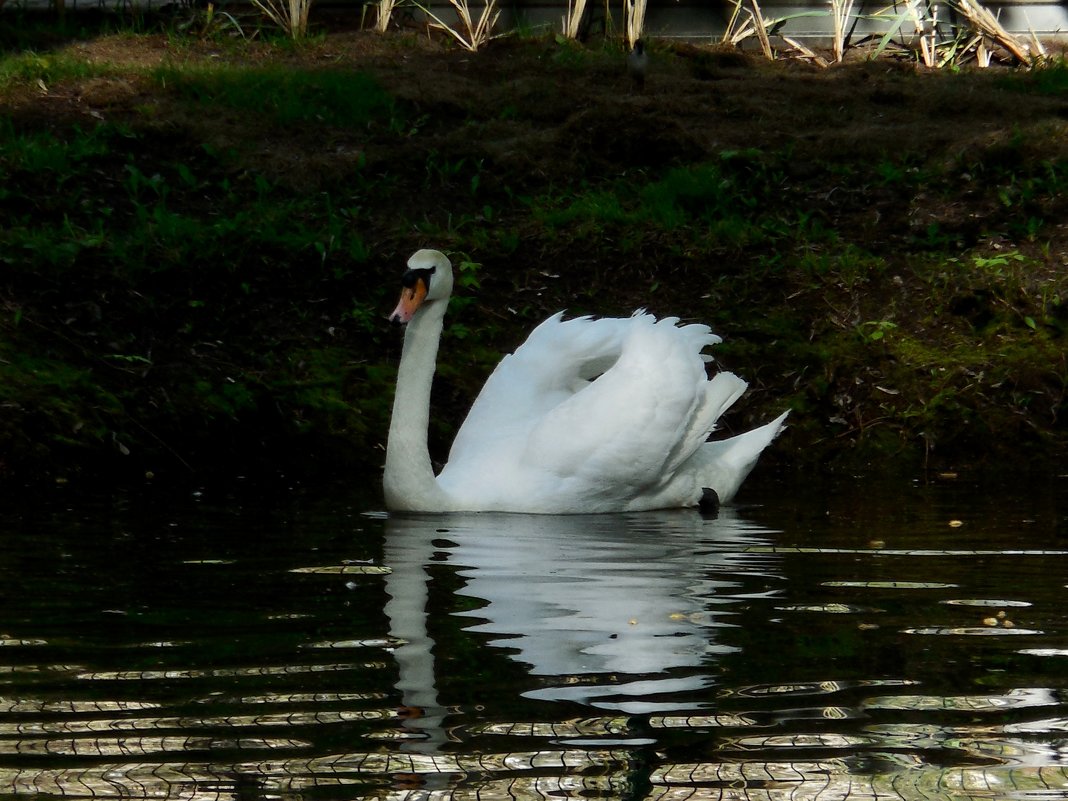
x: 470, y: 33
x: 573, y: 19
x: 929, y: 38
x: 634, y: 17
x: 1038, y: 50
x: 385, y: 13
x: 925, y: 25
x: 761, y: 29
x: 289, y: 15
x: 734, y: 25
x: 739, y: 27
x: 841, y: 14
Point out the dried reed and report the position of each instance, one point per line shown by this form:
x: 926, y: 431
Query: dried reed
x: 841, y: 14
x: 761, y: 29
x: 471, y: 34
x: 983, y: 21
x: 634, y: 18
x: 385, y: 13
x: 573, y: 19
x: 289, y: 15
x: 755, y: 24
x: 925, y: 29
x: 806, y: 52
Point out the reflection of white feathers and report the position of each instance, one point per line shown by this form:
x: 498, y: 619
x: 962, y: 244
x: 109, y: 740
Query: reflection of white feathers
x: 620, y: 601
x: 587, y: 415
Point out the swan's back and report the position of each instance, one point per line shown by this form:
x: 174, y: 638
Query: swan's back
x: 595, y: 415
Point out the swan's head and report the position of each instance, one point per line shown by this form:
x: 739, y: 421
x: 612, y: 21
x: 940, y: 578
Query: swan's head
x: 429, y: 278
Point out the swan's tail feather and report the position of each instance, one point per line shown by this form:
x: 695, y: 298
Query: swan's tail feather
x: 723, y: 390
x: 717, y: 395
x: 732, y: 459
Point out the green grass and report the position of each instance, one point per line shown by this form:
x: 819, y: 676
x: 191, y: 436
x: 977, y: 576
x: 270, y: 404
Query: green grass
x: 1050, y: 78
x: 721, y: 202
x: 47, y: 68
x: 34, y: 151
x: 285, y: 95
x: 49, y: 402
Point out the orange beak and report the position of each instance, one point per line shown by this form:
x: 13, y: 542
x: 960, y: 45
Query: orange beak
x: 411, y: 299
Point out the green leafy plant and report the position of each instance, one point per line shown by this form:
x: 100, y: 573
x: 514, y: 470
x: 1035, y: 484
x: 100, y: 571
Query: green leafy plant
x: 210, y: 22
x: 875, y: 330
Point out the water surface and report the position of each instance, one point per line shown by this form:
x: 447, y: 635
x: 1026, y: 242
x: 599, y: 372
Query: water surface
x: 859, y: 641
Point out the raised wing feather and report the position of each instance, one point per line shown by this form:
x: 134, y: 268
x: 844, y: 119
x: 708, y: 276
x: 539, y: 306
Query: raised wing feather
x: 630, y: 428
x: 589, y: 409
x: 557, y: 359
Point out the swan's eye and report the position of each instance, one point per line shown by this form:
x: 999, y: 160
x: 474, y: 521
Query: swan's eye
x: 412, y: 277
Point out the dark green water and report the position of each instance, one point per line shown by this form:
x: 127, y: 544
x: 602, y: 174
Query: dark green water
x: 855, y: 641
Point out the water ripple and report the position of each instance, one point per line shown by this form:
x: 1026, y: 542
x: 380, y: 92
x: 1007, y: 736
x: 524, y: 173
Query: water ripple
x: 329, y: 656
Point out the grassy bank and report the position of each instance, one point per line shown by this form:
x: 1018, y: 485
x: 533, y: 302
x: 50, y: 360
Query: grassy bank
x: 201, y: 238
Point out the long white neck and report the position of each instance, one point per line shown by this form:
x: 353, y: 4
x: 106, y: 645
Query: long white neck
x: 408, y: 481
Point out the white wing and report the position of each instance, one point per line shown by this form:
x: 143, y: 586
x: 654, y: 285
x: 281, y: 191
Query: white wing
x: 557, y: 359
x: 589, y: 415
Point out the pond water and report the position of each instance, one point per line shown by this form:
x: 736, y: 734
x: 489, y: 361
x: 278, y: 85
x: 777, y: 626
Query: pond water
x: 860, y: 641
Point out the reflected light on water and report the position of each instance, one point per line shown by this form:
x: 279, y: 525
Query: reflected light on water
x: 783, y: 651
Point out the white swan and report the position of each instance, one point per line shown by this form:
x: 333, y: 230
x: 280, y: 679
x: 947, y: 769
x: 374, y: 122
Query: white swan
x: 588, y: 415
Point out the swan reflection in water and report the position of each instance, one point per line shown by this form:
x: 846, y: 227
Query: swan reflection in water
x: 618, y: 612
